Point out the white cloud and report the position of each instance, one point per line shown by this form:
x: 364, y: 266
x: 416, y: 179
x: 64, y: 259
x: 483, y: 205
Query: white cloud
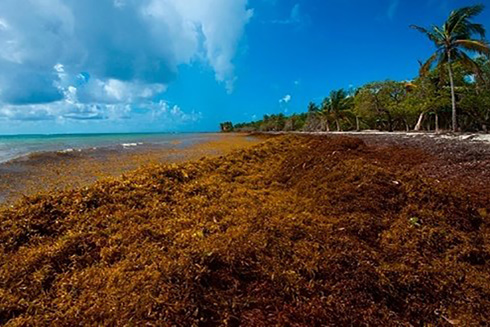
x: 286, y: 99
x: 97, y: 100
x: 221, y: 23
x: 152, y: 112
x: 163, y: 109
x: 116, y: 91
x: 113, y: 52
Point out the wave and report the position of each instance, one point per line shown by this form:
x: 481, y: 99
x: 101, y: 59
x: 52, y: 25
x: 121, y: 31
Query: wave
x: 131, y: 145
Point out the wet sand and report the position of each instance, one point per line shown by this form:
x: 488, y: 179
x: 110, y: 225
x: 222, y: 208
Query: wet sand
x: 46, y: 171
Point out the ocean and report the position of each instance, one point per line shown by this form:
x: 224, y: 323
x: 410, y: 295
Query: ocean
x: 16, y: 146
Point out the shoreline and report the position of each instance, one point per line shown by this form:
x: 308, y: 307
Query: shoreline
x: 66, y: 143
x: 71, y: 168
x: 50, y: 170
x: 476, y: 137
x: 393, y: 231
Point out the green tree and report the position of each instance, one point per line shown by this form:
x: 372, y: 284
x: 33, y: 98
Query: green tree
x: 428, y: 96
x: 452, y: 40
x: 338, y: 104
x: 325, y: 114
x: 475, y: 99
x: 313, y: 120
x: 380, y: 104
x: 313, y: 108
x: 226, y: 127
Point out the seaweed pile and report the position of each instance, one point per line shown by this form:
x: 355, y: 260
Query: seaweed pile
x: 296, y: 231
x: 45, y: 171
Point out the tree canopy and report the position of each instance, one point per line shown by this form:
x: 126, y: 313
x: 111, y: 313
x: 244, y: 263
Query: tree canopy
x: 452, y: 90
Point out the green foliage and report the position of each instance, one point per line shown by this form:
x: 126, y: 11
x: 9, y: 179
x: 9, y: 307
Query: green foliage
x: 313, y: 108
x: 392, y: 105
x: 451, y: 79
x: 339, y: 106
x: 226, y: 127
x: 453, y: 41
x: 385, y: 105
x: 270, y: 123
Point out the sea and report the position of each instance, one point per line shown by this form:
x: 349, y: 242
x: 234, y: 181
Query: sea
x: 17, y: 146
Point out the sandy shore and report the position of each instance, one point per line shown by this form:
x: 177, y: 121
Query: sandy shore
x: 460, y: 158
x: 59, y: 170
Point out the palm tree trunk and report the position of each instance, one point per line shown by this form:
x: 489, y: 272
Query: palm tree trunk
x: 437, y: 123
x: 453, y: 95
x: 338, y: 125
x: 418, y: 127
x: 358, y: 127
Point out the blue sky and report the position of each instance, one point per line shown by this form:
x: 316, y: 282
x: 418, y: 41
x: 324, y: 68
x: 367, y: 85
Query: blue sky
x: 70, y: 66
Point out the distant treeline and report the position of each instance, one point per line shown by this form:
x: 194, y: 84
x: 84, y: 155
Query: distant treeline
x: 452, y: 92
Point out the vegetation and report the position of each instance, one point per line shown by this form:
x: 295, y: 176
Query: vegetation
x: 226, y: 127
x: 448, y: 80
x: 451, y: 41
x: 297, y: 231
x: 338, y: 105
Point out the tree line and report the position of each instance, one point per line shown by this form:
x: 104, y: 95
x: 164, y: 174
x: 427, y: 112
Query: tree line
x: 452, y: 91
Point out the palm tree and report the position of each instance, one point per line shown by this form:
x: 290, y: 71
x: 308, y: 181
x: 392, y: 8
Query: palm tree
x: 312, y: 123
x: 452, y: 40
x: 312, y: 108
x: 338, y: 103
x: 325, y: 114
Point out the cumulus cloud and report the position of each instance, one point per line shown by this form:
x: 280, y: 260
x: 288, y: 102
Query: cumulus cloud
x: 157, y: 112
x: 221, y: 23
x: 73, y: 54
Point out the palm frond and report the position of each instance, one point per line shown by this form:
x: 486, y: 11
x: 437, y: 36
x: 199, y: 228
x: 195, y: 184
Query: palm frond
x: 466, y: 30
x: 478, y: 29
x: 425, y: 68
x: 440, y: 34
x: 326, y: 105
x: 471, y: 11
x: 475, y: 46
x: 467, y: 62
x: 431, y: 35
x: 458, y: 24
x: 465, y: 13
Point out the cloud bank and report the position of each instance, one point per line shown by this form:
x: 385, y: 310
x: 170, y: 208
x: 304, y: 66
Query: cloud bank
x: 73, y: 59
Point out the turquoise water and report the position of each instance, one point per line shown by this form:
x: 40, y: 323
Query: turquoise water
x: 15, y: 146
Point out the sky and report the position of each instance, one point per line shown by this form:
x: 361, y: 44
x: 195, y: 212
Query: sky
x: 102, y: 66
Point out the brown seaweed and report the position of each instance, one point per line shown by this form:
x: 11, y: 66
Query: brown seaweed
x: 297, y: 231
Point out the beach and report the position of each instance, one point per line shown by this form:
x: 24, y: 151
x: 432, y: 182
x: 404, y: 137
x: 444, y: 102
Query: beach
x: 218, y: 163
x: 277, y: 230
x: 75, y: 161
